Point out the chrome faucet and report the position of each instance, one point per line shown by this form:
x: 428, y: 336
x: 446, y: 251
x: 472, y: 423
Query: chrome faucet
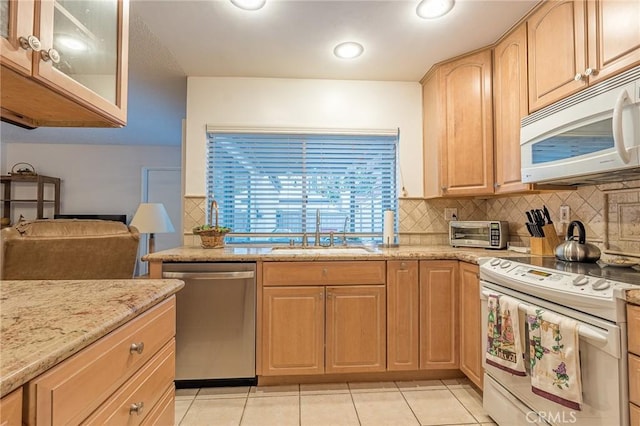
x: 317, y: 236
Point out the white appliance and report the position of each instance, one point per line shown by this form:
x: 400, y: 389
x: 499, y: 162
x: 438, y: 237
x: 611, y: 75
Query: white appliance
x: 592, y: 296
x: 590, y: 137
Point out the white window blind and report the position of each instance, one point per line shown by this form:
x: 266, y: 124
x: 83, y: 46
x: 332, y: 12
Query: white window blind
x: 269, y: 186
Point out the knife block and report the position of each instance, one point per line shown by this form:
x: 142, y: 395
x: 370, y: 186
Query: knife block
x: 545, y: 246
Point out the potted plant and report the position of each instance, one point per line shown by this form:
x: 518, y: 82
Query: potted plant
x: 211, y: 234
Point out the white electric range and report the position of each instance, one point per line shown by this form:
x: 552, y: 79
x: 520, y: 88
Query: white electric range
x: 591, y: 295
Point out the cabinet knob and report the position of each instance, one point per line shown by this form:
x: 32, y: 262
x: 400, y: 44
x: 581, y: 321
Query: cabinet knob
x: 50, y: 55
x: 136, y: 347
x: 403, y: 266
x: 30, y: 42
x: 578, y: 77
x: 136, y: 408
x: 590, y: 71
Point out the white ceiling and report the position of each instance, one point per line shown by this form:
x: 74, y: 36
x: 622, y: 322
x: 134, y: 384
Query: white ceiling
x: 295, y: 38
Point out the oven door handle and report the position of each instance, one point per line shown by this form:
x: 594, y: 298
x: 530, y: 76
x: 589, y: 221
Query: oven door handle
x: 585, y: 331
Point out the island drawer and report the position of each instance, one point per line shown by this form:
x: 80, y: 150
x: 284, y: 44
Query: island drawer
x: 323, y: 273
x: 633, y: 327
x: 71, y: 391
x: 133, y: 402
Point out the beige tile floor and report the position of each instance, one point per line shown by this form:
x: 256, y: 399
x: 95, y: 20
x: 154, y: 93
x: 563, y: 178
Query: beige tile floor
x: 431, y: 402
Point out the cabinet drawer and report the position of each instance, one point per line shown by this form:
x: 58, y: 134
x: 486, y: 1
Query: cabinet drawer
x: 634, y: 415
x: 143, y: 390
x: 71, y: 391
x: 164, y: 412
x: 11, y: 408
x: 323, y: 273
x: 633, y: 328
x: 634, y: 379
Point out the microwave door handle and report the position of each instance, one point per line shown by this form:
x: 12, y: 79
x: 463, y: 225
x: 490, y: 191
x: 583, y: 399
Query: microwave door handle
x: 585, y: 331
x: 618, y: 137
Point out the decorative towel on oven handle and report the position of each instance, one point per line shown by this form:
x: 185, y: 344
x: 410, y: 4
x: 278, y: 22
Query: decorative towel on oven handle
x: 554, y: 357
x: 504, y: 346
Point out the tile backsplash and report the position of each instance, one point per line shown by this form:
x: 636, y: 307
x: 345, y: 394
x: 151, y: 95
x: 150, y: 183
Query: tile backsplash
x: 610, y: 213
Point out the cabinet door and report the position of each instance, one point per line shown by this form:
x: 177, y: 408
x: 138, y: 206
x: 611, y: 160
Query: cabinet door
x: 292, y: 330
x: 16, y: 22
x: 402, y: 315
x: 510, y: 105
x: 467, y: 108
x: 91, y: 39
x: 356, y: 324
x: 439, y: 315
x: 557, y: 51
x: 614, y: 37
x: 470, y: 326
x: 11, y: 408
x: 432, y: 135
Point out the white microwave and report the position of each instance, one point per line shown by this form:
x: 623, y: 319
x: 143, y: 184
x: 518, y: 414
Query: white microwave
x: 590, y: 137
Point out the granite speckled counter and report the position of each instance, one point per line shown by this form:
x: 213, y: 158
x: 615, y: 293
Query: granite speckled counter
x: 44, y: 322
x: 232, y: 253
x: 633, y: 296
x: 251, y: 254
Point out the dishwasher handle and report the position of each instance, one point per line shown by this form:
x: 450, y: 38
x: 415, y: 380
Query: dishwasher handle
x: 238, y: 275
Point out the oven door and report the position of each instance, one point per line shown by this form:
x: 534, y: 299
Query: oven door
x: 603, y: 369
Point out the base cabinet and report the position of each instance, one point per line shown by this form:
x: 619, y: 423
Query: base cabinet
x: 355, y: 329
x: 403, y: 315
x: 119, y: 379
x: 323, y: 317
x: 470, y: 324
x: 293, y: 330
x: 439, y: 315
x: 11, y: 408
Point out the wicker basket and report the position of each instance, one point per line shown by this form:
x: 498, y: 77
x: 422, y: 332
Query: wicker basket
x: 211, y: 238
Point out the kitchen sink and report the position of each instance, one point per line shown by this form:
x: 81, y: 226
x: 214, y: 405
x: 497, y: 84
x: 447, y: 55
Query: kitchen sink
x: 322, y: 250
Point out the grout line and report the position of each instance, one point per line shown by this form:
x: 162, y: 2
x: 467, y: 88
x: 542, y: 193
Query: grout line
x: 410, y: 408
x: 354, y: 405
x: 463, y: 404
x: 244, y: 407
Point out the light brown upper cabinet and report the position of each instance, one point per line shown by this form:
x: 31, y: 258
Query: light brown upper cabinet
x: 510, y: 106
x: 574, y: 43
x: 458, y: 122
x: 64, y: 62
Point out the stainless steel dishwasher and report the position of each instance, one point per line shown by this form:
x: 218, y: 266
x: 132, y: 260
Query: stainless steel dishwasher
x: 215, y: 323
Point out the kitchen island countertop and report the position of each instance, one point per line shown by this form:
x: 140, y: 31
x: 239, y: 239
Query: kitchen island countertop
x: 43, y: 322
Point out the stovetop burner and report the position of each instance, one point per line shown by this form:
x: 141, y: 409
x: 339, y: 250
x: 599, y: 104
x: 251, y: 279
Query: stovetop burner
x: 624, y: 275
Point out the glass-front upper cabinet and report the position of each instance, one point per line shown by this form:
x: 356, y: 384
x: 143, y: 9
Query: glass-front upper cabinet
x: 17, y: 38
x: 84, y: 50
x: 74, y: 48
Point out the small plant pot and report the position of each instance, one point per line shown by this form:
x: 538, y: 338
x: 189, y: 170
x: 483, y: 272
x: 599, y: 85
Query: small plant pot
x: 211, y: 239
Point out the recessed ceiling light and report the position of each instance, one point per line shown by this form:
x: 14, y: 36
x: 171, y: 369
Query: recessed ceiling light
x: 249, y: 4
x: 430, y: 9
x: 348, y: 50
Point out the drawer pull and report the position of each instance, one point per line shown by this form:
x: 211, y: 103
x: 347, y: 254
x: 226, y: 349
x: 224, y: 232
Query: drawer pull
x: 136, y: 347
x: 136, y: 408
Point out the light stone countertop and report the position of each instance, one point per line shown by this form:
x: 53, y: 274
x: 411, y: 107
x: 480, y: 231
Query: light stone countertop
x: 43, y: 322
x: 633, y: 296
x: 264, y: 253
x: 255, y: 253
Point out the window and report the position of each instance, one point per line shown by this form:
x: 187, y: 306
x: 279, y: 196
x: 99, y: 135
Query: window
x: 269, y: 186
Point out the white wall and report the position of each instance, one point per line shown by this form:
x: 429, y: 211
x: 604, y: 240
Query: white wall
x: 298, y: 103
x: 95, y: 178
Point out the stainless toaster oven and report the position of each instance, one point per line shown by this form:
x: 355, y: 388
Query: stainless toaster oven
x: 492, y: 234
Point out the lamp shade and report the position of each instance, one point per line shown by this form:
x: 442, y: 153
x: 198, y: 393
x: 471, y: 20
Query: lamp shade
x: 152, y: 218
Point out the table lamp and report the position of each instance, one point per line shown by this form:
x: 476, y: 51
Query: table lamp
x: 152, y: 218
